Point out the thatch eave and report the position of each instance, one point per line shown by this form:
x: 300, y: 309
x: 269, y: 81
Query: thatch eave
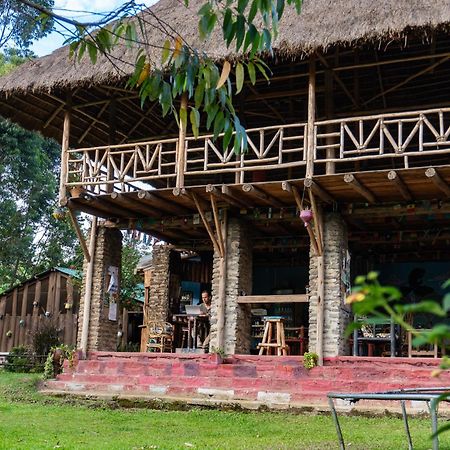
x: 321, y: 25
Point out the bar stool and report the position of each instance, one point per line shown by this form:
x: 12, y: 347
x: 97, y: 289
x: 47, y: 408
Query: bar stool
x: 273, y: 341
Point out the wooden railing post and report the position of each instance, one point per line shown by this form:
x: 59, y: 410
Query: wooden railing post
x: 311, y: 117
x: 181, y: 147
x: 64, y: 151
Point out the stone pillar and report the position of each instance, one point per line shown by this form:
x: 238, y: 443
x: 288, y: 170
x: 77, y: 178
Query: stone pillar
x: 239, y: 279
x: 337, y: 313
x: 158, y: 299
x: 102, y: 331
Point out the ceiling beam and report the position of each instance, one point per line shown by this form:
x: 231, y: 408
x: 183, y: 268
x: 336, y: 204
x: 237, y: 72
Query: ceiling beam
x: 432, y: 174
x: 351, y: 180
x: 399, y: 184
x: 257, y: 192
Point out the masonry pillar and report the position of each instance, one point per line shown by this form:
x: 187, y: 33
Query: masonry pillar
x: 158, y: 294
x: 238, y: 280
x: 336, y: 312
x: 102, y: 333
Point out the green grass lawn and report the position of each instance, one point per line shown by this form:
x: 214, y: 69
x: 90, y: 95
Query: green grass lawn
x: 29, y: 420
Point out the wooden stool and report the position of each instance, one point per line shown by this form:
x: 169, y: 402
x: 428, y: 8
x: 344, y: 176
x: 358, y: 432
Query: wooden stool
x: 269, y: 342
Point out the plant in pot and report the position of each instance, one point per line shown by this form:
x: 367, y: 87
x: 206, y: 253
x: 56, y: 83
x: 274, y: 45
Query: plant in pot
x: 75, y: 191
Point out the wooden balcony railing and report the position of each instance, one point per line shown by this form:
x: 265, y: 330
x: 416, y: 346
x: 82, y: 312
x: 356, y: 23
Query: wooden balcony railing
x: 340, y: 146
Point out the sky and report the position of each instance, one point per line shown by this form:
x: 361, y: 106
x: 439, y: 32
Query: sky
x: 79, y: 10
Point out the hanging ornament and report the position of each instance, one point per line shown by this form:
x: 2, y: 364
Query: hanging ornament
x: 59, y: 213
x: 306, y: 215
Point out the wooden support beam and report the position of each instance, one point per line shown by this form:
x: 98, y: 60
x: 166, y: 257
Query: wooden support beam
x: 437, y: 180
x: 400, y: 185
x: 317, y: 223
x: 206, y: 223
x: 135, y: 204
x: 181, y: 147
x: 351, y: 180
x: 177, y: 192
x: 213, y: 190
x: 80, y: 236
x: 92, y: 124
x: 257, y: 192
x: 161, y: 204
x: 318, y: 190
x: 290, y: 298
x: 222, y: 291
x: 229, y: 194
x: 338, y: 80
x: 310, y: 141
x: 220, y: 239
x: 65, y: 149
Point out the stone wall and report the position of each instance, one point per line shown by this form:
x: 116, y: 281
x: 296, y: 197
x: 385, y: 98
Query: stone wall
x: 102, y: 331
x: 238, y: 280
x: 336, y: 314
x: 159, y: 284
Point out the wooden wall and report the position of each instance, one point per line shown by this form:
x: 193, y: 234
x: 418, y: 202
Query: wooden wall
x: 23, y: 310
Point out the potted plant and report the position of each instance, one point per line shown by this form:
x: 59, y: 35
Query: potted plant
x: 75, y: 191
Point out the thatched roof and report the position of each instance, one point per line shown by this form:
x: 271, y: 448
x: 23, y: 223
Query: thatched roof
x: 322, y: 23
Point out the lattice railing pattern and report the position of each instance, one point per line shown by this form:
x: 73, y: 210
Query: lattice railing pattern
x: 339, y: 143
x: 398, y: 135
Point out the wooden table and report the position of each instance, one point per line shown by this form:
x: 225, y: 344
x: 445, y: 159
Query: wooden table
x: 191, y: 320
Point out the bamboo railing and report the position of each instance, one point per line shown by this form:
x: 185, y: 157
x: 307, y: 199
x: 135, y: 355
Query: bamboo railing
x: 338, y: 143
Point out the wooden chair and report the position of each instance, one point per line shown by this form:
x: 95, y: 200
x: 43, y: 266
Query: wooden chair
x: 160, y: 337
x: 427, y: 350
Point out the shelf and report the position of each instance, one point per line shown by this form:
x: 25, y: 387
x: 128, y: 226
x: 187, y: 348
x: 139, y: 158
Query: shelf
x: 290, y: 298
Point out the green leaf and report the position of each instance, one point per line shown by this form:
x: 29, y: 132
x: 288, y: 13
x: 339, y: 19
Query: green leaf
x: 165, y: 98
x: 242, y: 4
x: 425, y: 306
x: 227, y: 25
x: 198, y: 95
x: 227, y: 138
x: 219, y: 122
x: 250, y: 36
x: 165, y: 51
x: 267, y: 39
x: 251, y: 72
x: 239, y: 77
x: 81, y: 50
x: 262, y: 70
x: 92, y: 50
x: 240, y: 31
x: 211, y: 23
x: 195, y: 121
x: 280, y: 8
x: 211, y: 115
x: 253, y: 10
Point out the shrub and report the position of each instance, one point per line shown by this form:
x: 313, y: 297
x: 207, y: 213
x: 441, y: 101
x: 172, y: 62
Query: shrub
x: 19, y: 359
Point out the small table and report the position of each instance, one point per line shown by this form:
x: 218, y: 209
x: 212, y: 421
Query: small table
x: 191, y: 320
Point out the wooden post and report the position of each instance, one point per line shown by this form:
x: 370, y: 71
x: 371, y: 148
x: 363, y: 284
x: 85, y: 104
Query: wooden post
x: 329, y: 107
x: 311, y: 118
x: 64, y: 150
x: 181, y: 148
x: 222, y: 287
x: 88, y: 290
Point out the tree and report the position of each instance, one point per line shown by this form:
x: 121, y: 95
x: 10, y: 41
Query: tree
x: 31, y: 240
x: 21, y: 24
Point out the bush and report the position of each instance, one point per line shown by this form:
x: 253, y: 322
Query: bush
x: 46, y: 337
x: 20, y: 359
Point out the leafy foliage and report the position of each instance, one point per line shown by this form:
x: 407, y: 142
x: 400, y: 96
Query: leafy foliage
x: 183, y: 72
x: 31, y: 240
x: 380, y: 303
x: 21, y: 24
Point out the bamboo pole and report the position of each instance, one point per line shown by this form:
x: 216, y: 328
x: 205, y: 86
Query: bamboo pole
x: 181, y: 149
x: 222, y: 287
x: 80, y: 236
x: 311, y: 117
x: 88, y: 290
x: 64, y: 150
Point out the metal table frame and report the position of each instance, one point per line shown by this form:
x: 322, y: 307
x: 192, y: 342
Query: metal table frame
x: 432, y: 396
